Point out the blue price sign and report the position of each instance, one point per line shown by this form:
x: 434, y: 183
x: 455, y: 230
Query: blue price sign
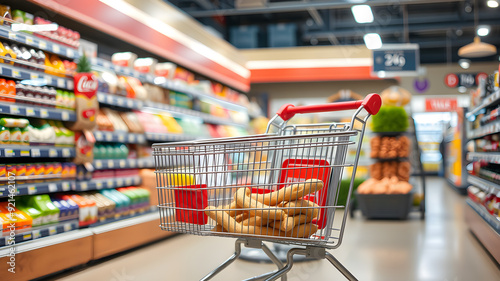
x: 396, y: 59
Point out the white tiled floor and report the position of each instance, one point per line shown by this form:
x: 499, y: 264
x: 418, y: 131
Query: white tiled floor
x: 437, y: 248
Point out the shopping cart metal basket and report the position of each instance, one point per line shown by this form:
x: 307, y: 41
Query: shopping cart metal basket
x: 280, y: 187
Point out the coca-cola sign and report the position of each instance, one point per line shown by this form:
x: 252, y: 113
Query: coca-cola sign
x: 87, y: 84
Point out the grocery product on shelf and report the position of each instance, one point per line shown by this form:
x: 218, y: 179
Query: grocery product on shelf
x: 62, y: 35
x: 87, y: 209
x: 111, y: 151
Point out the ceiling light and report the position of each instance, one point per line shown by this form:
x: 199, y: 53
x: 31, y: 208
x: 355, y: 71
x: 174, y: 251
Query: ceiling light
x: 492, y: 3
x: 464, y: 63
x: 483, y: 30
x: 477, y: 49
x: 362, y: 13
x: 372, y: 41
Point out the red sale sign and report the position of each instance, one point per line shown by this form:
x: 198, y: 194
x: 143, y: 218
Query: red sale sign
x: 441, y: 105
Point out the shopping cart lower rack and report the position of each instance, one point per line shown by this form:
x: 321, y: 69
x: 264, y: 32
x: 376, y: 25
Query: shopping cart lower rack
x: 281, y: 186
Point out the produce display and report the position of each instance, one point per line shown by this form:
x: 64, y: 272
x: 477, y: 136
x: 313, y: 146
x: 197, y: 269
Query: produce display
x: 390, y: 119
x: 389, y: 147
x: 387, y: 185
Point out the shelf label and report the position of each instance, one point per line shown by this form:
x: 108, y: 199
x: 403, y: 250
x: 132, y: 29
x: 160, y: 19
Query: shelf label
x: 67, y: 227
x: 43, y: 45
x: 8, y: 152
x: 16, y: 74
x: 31, y: 189
x: 30, y: 111
x: 119, y: 182
x: 130, y: 103
x: 52, y: 153
x: 35, y: 152
x: 61, y: 83
x: 122, y: 163
x: 111, y: 164
x: 128, y: 181
x: 84, y: 186
x: 65, y: 116
x: 12, y: 36
x: 52, y: 187
x: 44, y: 113
x: 36, y: 234
x: 120, y: 102
x: 66, y: 152
x: 65, y: 186
x: 55, y: 48
x: 132, y: 163
x: 109, y: 136
x: 14, y: 109
x: 29, y: 41
x: 140, y: 163
x: 131, y: 138
x: 109, y: 99
x: 49, y: 80
x: 25, y: 153
x: 98, y: 164
x: 27, y: 236
x: 52, y: 230
x: 121, y: 138
x: 98, y: 185
x: 69, y: 53
x: 98, y: 136
x: 33, y: 76
x: 110, y: 183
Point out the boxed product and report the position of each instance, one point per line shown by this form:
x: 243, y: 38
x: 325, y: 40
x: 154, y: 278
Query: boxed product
x: 87, y: 209
x: 10, y: 214
x: 50, y: 213
x: 68, y: 209
x: 145, y: 65
x: 125, y: 59
x: 165, y: 69
x: 132, y: 122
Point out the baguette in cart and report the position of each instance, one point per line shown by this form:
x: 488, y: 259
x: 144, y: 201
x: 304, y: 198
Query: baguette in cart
x: 281, y: 186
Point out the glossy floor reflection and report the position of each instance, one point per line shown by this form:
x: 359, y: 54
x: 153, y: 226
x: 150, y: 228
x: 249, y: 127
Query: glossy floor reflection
x: 437, y: 248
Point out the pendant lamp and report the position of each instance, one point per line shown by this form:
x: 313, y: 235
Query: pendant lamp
x: 477, y: 49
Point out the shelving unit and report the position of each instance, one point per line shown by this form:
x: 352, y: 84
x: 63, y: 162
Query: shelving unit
x: 492, y: 157
x: 98, y: 184
x: 40, y: 232
x: 488, y: 129
x: 13, y: 72
x: 40, y: 188
x: 37, y: 152
x: 490, y: 100
x: 37, y: 112
x: 486, y: 185
x: 123, y: 163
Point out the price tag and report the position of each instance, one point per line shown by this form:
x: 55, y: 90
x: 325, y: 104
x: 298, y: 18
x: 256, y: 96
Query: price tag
x: 30, y: 111
x: 25, y: 153
x: 65, y: 186
x: 52, y: 153
x: 109, y: 136
x: 29, y: 41
x: 36, y: 234
x: 111, y: 164
x: 120, y: 102
x: 52, y: 230
x: 55, y: 48
x: 84, y: 186
x: 140, y: 139
x: 61, y: 83
x: 26, y: 236
x: 52, y: 187
x: 119, y: 182
x: 66, y: 152
x: 8, y: 152
x: 35, y: 152
x: 31, y: 189
x: 49, y: 80
x: 16, y: 74
x: 131, y: 138
x: 122, y: 163
x: 98, y: 185
x: 69, y: 53
x: 132, y: 163
x: 12, y: 36
x: 121, y: 138
x: 65, y: 116
x: 43, y: 45
x: 33, y: 76
x: 14, y: 109
x: 130, y: 103
x: 140, y: 163
x: 98, y: 136
x: 110, y: 183
x: 109, y: 99
x: 98, y: 164
x: 106, y: 64
x: 44, y: 113
x: 128, y: 181
x: 68, y: 227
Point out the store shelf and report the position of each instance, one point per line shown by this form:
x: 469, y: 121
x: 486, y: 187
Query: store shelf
x: 492, y: 157
x: 127, y: 71
x: 123, y: 163
x: 40, y: 232
x: 488, y: 101
x: 38, y: 43
x: 98, y: 184
x: 485, y: 227
x: 39, y: 188
x: 10, y: 71
x: 485, y: 130
x: 37, y: 152
x: 118, y: 101
x: 37, y: 112
x: 483, y: 184
x: 133, y: 214
x: 168, y: 137
x: 121, y: 137
x: 207, y: 118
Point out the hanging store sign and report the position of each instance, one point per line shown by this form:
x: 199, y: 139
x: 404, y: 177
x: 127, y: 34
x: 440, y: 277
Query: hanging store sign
x: 396, y: 60
x: 468, y: 80
x: 441, y: 105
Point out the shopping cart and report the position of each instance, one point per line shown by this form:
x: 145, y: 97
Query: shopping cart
x: 280, y: 187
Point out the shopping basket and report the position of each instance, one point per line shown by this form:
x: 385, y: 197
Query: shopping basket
x: 280, y: 187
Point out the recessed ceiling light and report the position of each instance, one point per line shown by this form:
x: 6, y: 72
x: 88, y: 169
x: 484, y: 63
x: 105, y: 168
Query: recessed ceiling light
x: 372, y: 41
x: 492, y: 3
x: 464, y: 63
x: 362, y: 13
x: 483, y: 30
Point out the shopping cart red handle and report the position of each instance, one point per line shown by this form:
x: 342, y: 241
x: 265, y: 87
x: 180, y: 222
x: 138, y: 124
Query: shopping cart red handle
x: 371, y: 104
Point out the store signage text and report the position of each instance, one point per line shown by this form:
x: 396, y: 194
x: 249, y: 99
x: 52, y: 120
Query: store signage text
x: 441, y: 105
x: 468, y: 80
x: 396, y: 58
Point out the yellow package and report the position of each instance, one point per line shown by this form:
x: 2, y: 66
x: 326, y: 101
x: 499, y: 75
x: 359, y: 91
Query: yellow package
x: 170, y: 123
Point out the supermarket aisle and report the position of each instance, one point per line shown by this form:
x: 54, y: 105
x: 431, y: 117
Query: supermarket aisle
x: 439, y: 248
